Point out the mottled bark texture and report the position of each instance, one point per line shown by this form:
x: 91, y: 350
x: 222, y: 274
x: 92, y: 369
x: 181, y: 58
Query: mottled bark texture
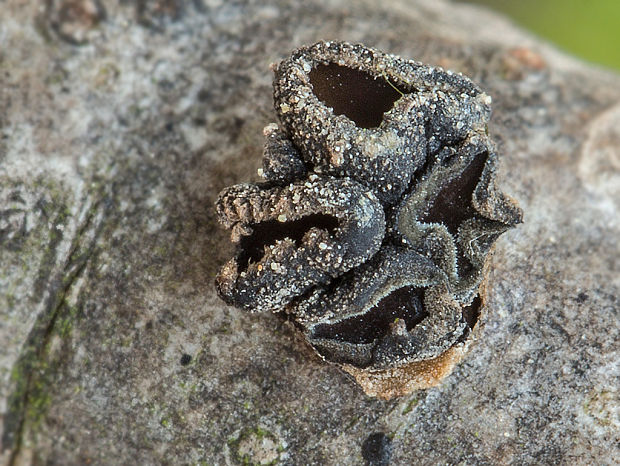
x: 121, y: 121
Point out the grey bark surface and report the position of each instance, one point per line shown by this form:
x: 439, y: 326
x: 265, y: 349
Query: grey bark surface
x: 118, y: 130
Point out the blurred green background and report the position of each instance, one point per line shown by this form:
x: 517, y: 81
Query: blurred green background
x: 589, y: 29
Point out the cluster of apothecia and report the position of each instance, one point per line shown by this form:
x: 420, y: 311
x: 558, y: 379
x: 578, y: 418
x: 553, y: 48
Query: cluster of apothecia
x: 376, y: 214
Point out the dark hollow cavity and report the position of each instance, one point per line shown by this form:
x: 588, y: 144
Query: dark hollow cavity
x: 266, y: 233
x: 471, y: 313
x: 453, y: 203
x: 353, y: 93
x: 403, y: 303
x: 377, y: 449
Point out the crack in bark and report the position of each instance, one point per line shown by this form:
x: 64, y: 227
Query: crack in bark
x: 30, y: 364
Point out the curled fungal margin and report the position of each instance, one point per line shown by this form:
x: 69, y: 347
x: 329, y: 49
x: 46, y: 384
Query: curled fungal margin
x: 377, y: 213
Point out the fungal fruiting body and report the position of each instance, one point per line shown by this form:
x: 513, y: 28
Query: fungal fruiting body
x: 377, y: 212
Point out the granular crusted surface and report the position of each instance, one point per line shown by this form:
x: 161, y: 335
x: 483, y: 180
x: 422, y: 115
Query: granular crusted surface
x: 115, y: 348
x: 378, y: 210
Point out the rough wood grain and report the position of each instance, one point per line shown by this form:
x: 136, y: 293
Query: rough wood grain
x: 120, y: 122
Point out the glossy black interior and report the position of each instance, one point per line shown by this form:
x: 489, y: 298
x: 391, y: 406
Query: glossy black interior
x: 356, y: 94
x: 403, y: 303
x: 471, y: 313
x: 265, y: 233
x: 453, y: 202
